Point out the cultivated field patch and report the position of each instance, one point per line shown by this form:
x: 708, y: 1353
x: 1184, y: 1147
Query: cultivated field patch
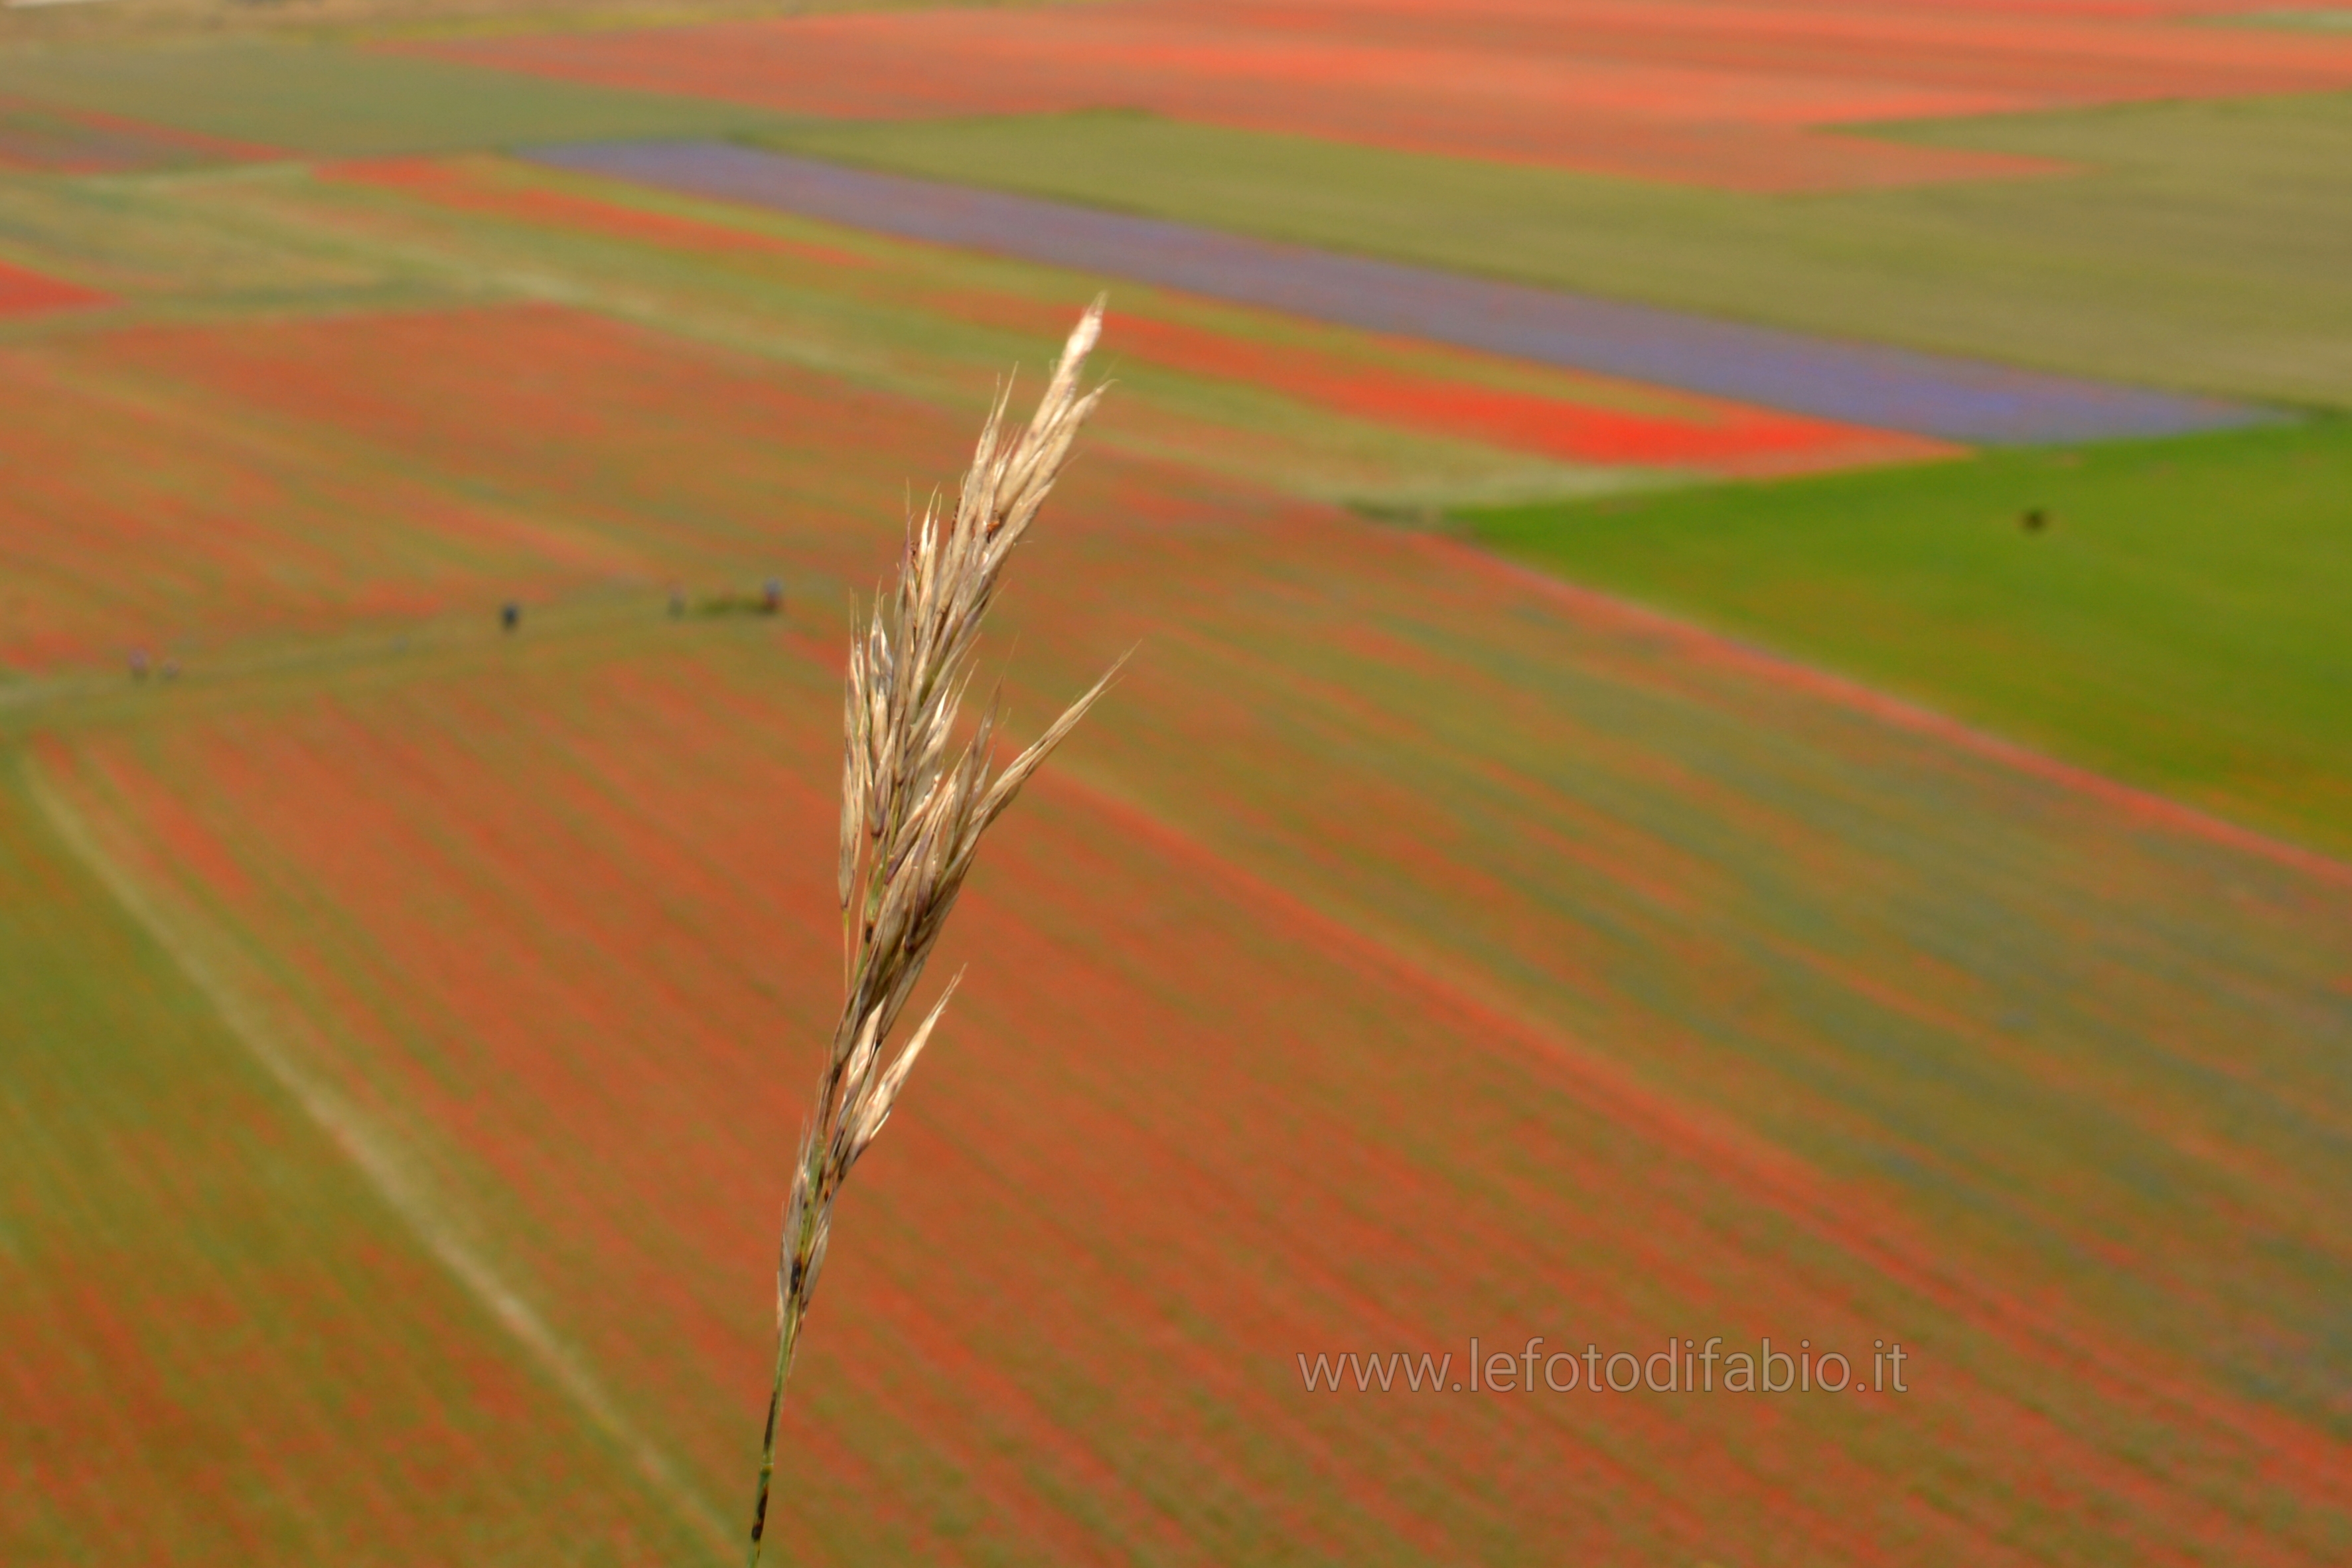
x: 677, y: 458
x: 401, y: 239
x: 1415, y: 949
x: 2177, y: 254
x: 1515, y: 406
x: 204, y: 1305
x: 1375, y: 922
x: 336, y: 101
x: 1929, y: 395
x: 310, y: 473
x: 1728, y: 97
x: 2167, y: 612
x: 229, y: 522
x: 27, y: 293
x: 463, y: 188
x: 1686, y: 434
x: 36, y: 138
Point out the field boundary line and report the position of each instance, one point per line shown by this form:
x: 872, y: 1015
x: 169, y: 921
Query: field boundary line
x: 2142, y: 805
x: 376, y: 1155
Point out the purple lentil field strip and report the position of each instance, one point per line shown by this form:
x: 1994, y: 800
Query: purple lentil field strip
x: 1885, y: 388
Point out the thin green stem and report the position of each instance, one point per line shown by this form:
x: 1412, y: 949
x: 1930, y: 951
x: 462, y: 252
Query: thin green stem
x: 787, y: 1335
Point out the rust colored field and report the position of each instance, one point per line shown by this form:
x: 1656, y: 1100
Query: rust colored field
x: 2044, y: 53
x: 1406, y: 956
x: 203, y: 1304
x: 1422, y: 387
x: 307, y: 475
x: 1728, y: 96
x: 24, y: 293
x: 686, y: 454
x: 690, y: 460
x: 224, y: 525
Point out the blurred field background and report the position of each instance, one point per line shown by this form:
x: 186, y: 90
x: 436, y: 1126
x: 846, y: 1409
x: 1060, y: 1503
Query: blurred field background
x: 1743, y: 728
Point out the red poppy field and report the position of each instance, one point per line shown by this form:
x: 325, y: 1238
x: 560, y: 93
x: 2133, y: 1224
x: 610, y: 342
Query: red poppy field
x: 1491, y: 960
x: 25, y: 293
x: 560, y: 914
x: 1737, y: 97
x: 426, y: 565
x: 280, y: 493
x: 1677, y: 431
x: 205, y: 539
x: 1573, y: 418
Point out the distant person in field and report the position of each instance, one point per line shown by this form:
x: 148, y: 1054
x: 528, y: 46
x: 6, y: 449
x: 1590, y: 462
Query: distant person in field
x: 510, y: 615
x: 772, y: 597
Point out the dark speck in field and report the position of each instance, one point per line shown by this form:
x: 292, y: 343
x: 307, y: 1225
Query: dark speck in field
x: 2034, y: 519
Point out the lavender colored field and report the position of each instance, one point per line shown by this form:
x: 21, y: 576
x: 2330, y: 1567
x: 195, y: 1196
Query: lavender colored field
x: 1894, y: 388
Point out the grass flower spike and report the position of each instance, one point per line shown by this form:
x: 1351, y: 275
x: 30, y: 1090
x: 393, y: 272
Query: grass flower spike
x: 914, y: 805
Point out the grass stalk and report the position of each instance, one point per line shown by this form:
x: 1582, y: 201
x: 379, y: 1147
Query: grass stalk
x: 914, y: 804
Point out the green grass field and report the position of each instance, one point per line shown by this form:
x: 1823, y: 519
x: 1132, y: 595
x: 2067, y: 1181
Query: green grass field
x: 2199, y: 248
x: 2179, y: 621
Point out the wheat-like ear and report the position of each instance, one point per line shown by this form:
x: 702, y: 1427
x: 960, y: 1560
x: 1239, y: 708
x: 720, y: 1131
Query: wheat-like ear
x: 913, y: 808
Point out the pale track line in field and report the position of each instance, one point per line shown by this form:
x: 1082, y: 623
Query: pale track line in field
x: 376, y: 1154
